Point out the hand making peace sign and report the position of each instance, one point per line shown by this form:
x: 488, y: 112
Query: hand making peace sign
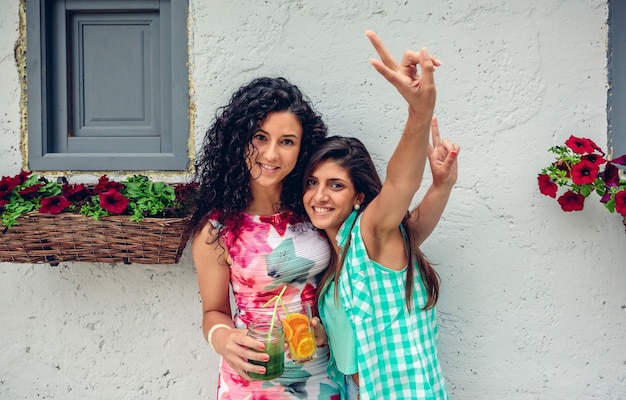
x: 418, y: 90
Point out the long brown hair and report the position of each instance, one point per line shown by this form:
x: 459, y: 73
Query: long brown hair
x: 350, y: 154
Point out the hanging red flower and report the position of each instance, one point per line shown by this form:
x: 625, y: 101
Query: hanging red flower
x: 584, y: 172
x: 582, y: 145
x: 571, y: 201
x: 620, y: 202
x: 578, y: 168
x: 547, y: 186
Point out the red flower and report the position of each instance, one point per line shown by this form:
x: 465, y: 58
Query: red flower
x: 579, y: 168
x: 113, y: 201
x: 30, y: 191
x: 104, y: 185
x: 54, y: 204
x: 3, y: 202
x: 546, y: 185
x: 620, y: 202
x: 582, y: 145
x: 596, y: 159
x: 8, y: 183
x: 621, y: 160
x: 75, y: 192
x: 571, y: 201
x: 22, y: 176
x: 183, y: 190
x: 584, y: 172
x: 610, y: 176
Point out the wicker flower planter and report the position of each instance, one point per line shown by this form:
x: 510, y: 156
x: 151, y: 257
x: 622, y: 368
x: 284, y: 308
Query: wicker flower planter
x: 47, y: 238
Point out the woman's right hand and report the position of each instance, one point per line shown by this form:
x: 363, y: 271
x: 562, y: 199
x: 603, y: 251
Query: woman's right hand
x: 236, y: 347
x: 417, y: 88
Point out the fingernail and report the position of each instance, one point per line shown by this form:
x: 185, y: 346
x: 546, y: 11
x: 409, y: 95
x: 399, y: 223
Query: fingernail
x: 453, y: 153
x: 266, y: 358
x: 262, y: 371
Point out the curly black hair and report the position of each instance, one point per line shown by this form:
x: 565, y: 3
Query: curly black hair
x: 221, y: 170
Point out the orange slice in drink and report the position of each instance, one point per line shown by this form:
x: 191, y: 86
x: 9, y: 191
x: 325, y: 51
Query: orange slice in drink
x: 300, y: 332
x: 297, y: 319
x: 287, y: 329
x: 306, y: 347
x: 301, y: 343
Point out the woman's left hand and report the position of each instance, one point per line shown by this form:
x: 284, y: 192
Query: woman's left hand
x: 442, y: 156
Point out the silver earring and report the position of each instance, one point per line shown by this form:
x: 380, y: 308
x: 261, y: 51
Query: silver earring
x: 357, y: 207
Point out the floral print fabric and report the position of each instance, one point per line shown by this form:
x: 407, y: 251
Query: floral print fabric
x: 269, y: 253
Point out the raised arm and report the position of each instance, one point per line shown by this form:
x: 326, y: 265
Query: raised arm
x: 406, y: 165
x: 442, y: 156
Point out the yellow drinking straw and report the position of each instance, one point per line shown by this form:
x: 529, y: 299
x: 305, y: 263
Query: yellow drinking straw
x: 276, y: 300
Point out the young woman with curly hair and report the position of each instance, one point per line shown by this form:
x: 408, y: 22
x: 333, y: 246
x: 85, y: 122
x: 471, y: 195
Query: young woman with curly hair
x: 249, y: 235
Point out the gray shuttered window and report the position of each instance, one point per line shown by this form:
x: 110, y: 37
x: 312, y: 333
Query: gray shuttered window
x: 107, y: 85
x: 617, y: 76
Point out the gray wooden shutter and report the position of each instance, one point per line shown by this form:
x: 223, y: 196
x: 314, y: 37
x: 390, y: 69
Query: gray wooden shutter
x: 113, y: 85
x: 617, y: 76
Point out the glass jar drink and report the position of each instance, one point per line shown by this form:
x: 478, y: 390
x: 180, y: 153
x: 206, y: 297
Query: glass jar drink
x: 274, y: 347
x: 300, y: 337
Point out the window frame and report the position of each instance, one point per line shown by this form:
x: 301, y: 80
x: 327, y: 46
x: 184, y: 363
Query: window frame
x: 616, y: 93
x: 40, y: 136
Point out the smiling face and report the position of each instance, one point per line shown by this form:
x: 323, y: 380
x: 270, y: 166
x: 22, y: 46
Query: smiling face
x: 329, y: 196
x: 273, y: 151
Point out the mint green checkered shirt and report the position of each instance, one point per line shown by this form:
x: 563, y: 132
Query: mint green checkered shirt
x: 396, y: 350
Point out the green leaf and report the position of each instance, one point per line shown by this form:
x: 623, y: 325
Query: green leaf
x: 586, y: 190
x: 93, y: 210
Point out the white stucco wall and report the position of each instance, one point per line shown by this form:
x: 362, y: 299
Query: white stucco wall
x: 533, y: 301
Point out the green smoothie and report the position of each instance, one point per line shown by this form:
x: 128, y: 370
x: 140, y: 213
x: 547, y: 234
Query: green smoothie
x: 275, y: 366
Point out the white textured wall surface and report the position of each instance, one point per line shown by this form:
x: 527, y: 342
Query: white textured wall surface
x: 533, y: 300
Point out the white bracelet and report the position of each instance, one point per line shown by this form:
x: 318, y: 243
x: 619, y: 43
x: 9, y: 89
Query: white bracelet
x: 212, y: 331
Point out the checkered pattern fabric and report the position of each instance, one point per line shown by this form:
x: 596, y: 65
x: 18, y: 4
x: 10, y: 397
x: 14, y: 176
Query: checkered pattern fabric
x: 397, y: 349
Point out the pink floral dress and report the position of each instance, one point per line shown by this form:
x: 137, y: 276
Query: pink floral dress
x: 272, y: 252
